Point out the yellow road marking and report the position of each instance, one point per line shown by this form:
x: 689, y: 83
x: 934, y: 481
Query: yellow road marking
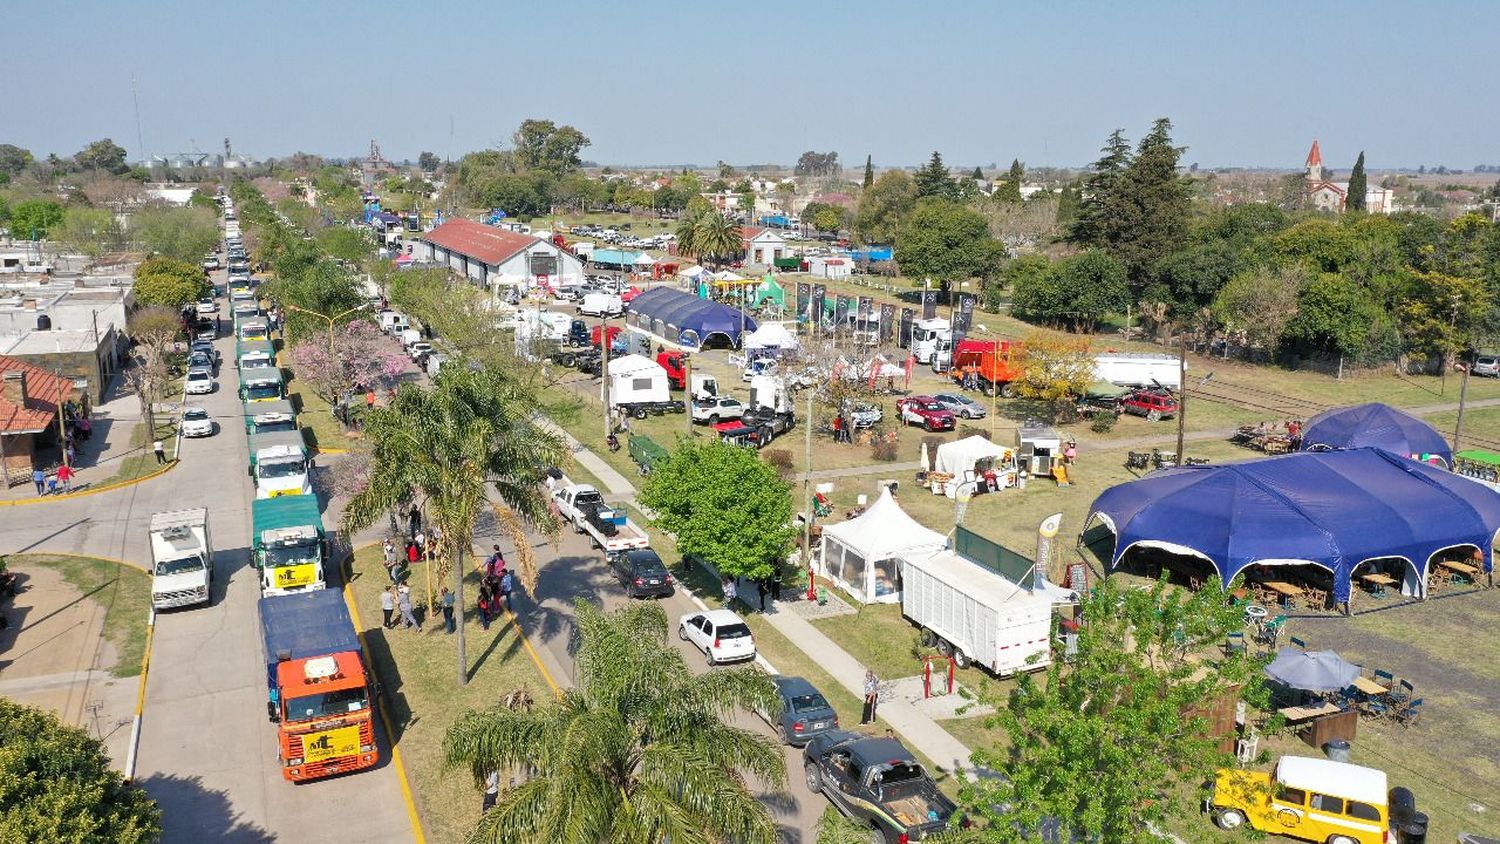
x: 84, y: 493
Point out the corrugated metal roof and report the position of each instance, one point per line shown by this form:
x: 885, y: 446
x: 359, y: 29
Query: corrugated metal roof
x: 479, y: 242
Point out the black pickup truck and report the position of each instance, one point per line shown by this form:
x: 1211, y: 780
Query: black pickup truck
x: 876, y: 781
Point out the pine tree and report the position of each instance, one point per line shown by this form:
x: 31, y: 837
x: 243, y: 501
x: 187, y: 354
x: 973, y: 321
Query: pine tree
x: 1094, y: 223
x: 869, y: 173
x: 1010, y: 189
x: 1155, y: 204
x: 934, y: 181
x: 1355, y: 201
x: 1016, y: 173
x: 978, y: 175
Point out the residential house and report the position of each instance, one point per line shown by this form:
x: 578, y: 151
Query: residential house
x: 29, y: 401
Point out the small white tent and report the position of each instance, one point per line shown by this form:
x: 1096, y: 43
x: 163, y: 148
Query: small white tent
x: 960, y: 456
x: 771, y: 335
x: 644, y: 260
x: 863, y: 555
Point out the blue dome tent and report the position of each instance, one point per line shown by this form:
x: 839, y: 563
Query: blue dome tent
x: 1378, y: 425
x: 1334, y: 510
x: 687, y: 320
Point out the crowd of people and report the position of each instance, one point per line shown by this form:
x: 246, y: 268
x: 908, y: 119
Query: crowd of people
x: 497, y: 581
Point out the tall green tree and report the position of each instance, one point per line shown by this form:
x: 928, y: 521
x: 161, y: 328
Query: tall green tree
x: 725, y: 505
x: 1100, y: 214
x: 182, y: 233
x: 429, y: 162
x: 869, y: 172
x: 544, y: 145
x: 34, y: 218
x: 1358, y: 184
x: 90, y: 231
x: 884, y: 207
x: 638, y: 751
x: 933, y: 180
x: 105, y: 155
x: 947, y: 242
x: 14, y: 159
x: 1105, y: 745
x: 717, y: 238
x: 446, y: 448
x: 168, y: 282
x: 1010, y: 189
x: 1156, y: 202
x: 1254, y: 306
x: 56, y: 784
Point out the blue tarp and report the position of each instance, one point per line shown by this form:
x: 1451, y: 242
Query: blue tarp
x: 305, y: 624
x: 669, y: 313
x: 1378, y: 425
x: 1332, y: 509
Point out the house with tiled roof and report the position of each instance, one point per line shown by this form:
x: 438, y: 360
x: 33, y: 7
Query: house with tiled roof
x: 29, y: 400
x: 763, y: 246
x: 491, y: 257
x: 1323, y: 194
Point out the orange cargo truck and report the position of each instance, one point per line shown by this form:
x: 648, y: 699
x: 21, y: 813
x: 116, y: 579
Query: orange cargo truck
x: 319, y: 692
x: 996, y: 363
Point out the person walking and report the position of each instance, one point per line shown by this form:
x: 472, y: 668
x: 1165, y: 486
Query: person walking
x: 731, y: 591
x: 775, y: 587
x: 763, y: 588
x: 448, y: 610
x: 39, y: 478
x: 491, y: 791
x: 507, y: 585
x: 495, y: 563
x: 414, y: 518
x: 403, y: 600
x: 872, y: 696
x: 65, y: 475
x: 388, y: 607
x: 161, y: 451
x: 388, y: 554
x: 486, y: 603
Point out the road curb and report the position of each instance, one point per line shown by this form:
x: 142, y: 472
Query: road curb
x: 140, y: 697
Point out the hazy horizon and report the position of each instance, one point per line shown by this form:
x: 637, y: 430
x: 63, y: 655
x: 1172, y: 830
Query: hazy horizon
x: 1245, y: 86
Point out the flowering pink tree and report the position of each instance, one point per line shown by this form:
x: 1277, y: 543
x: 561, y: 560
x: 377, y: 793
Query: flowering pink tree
x: 360, y: 359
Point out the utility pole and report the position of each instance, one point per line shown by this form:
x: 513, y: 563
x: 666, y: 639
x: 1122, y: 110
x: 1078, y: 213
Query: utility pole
x: 807, y: 505
x: 1182, y: 400
x: 604, y: 372
x: 1463, y: 394
x: 687, y: 389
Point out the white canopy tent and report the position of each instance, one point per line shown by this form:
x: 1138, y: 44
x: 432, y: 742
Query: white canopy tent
x: 693, y: 273
x: 959, y: 456
x: 645, y: 260
x: 771, y: 335
x: 863, y: 555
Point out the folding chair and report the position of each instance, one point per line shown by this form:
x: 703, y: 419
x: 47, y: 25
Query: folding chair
x: 1404, y: 692
x: 1298, y: 643
x: 1409, y: 715
x: 1235, y: 643
x: 1385, y: 678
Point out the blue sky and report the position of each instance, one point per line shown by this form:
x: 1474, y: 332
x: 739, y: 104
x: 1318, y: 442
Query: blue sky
x: 1247, y: 83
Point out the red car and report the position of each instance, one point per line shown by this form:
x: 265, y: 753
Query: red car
x: 925, y: 411
x: 1155, y: 405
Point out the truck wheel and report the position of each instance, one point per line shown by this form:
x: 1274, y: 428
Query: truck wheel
x: 1007, y: 391
x: 929, y: 638
x: 960, y: 658
x: 640, y: 413
x: 1229, y: 819
x: 570, y: 361
x: 1153, y: 416
x: 814, y: 778
x: 944, y: 647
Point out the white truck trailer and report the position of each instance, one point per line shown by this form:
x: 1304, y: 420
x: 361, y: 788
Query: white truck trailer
x: 1138, y: 369
x: 975, y: 615
x: 182, y: 567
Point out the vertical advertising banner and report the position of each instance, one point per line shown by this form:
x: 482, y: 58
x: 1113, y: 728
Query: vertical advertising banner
x: 865, y: 308
x: 820, y: 293
x: 804, y: 301
x: 929, y: 304
x: 841, y: 311
x: 1046, y: 534
x: 908, y: 316
x: 887, y: 322
x: 963, y: 319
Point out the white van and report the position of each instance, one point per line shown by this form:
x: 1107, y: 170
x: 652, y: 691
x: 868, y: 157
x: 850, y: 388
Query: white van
x: 394, y: 322
x: 601, y: 304
x: 408, y: 337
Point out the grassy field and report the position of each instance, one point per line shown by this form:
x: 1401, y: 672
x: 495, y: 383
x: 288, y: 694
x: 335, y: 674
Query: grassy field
x: 422, y: 696
x: 123, y: 591
x: 319, y: 427
x: 140, y: 460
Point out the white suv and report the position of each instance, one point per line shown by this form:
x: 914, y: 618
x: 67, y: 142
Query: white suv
x: 715, y: 408
x: 720, y: 634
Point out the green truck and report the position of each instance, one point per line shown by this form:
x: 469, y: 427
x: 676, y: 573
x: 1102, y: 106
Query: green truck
x: 261, y: 384
x: 289, y: 546
x: 263, y: 417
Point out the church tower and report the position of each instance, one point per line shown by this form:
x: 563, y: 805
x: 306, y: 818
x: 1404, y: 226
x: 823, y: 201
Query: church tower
x: 1314, y: 164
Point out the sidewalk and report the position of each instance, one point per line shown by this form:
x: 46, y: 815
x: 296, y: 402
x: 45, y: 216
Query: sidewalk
x: 921, y: 731
x: 100, y: 456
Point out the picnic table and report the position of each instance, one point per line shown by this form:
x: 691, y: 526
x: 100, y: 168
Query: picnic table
x: 1304, y: 713
x: 1369, y: 687
x: 1461, y: 568
x: 1281, y: 587
x: 1378, y: 579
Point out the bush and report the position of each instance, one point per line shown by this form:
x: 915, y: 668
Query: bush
x: 780, y: 460
x: 1104, y: 420
x: 885, y: 447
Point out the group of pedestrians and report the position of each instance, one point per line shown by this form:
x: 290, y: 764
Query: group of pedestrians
x: 765, y: 586
x: 62, y: 478
x: 496, y: 584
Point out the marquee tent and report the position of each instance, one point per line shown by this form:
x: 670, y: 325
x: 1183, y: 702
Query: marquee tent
x: 686, y: 320
x: 1378, y: 425
x: 1334, y: 510
x: 770, y: 290
x: 960, y: 456
x: 772, y: 335
x: 862, y: 555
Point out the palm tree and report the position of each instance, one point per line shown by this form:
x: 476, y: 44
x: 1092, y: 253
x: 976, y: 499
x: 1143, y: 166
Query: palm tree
x: 716, y: 237
x: 443, y: 446
x: 637, y: 753
x: 687, y: 228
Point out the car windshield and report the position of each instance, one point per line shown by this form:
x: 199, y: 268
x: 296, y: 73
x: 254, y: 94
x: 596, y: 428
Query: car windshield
x: 733, y: 631
x: 269, y: 427
x: 249, y: 333
x: 195, y: 415
x: 804, y: 703
x: 264, y: 391
x: 323, y: 705
x: 286, y: 555
x: 281, y: 469
x: 181, y: 565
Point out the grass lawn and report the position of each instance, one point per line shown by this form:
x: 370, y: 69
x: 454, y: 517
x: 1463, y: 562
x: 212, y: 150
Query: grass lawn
x: 422, y: 696
x: 315, y: 416
x: 140, y: 460
x: 123, y: 591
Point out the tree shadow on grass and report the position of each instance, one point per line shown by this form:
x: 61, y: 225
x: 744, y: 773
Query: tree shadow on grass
x: 194, y: 813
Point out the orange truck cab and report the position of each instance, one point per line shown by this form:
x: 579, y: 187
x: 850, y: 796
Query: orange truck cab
x: 997, y: 363
x: 319, y: 692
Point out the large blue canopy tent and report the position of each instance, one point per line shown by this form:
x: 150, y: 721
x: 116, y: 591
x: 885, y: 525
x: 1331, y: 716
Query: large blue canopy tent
x: 1334, y: 510
x: 1378, y: 425
x: 687, y: 320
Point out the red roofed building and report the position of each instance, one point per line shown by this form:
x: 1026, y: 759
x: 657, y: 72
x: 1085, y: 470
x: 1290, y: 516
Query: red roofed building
x: 1323, y: 194
x: 29, y: 400
x: 491, y: 256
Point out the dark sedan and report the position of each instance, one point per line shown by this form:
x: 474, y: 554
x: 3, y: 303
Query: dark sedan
x: 804, y: 711
x: 643, y: 574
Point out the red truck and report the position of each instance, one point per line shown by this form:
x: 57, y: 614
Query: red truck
x: 614, y: 331
x: 995, y: 363
x: 676, y: 365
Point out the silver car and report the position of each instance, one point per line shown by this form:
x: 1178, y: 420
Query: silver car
x: 196, y: 422
x: 1487, y: 365
x: 961, y: 406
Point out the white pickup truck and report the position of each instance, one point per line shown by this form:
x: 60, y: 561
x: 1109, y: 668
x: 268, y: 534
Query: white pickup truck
x: 609, y: 528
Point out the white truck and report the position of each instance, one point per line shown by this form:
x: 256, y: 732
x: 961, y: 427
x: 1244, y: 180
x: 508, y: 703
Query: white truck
x: 182, y: 563
x: 926, y: 334
x: 975, y: 615
x: 1138, y: 369
x: 640, y: 387
x: 610, y: 529
x: 279, y: 464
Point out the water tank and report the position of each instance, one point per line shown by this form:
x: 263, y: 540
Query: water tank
x: 43, y: 322
x: 1402, y: 805
x: 1414, y: 831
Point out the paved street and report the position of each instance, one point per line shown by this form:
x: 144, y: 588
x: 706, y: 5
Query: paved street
x: 207, y: 752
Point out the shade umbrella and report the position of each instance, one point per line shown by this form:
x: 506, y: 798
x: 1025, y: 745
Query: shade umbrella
x: 925, y: 464
x: 1313, y: 671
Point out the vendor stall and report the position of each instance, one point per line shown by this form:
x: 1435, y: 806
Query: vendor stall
x: 1038, y: 446
x: 863, y: 555
x: 974, y: 460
